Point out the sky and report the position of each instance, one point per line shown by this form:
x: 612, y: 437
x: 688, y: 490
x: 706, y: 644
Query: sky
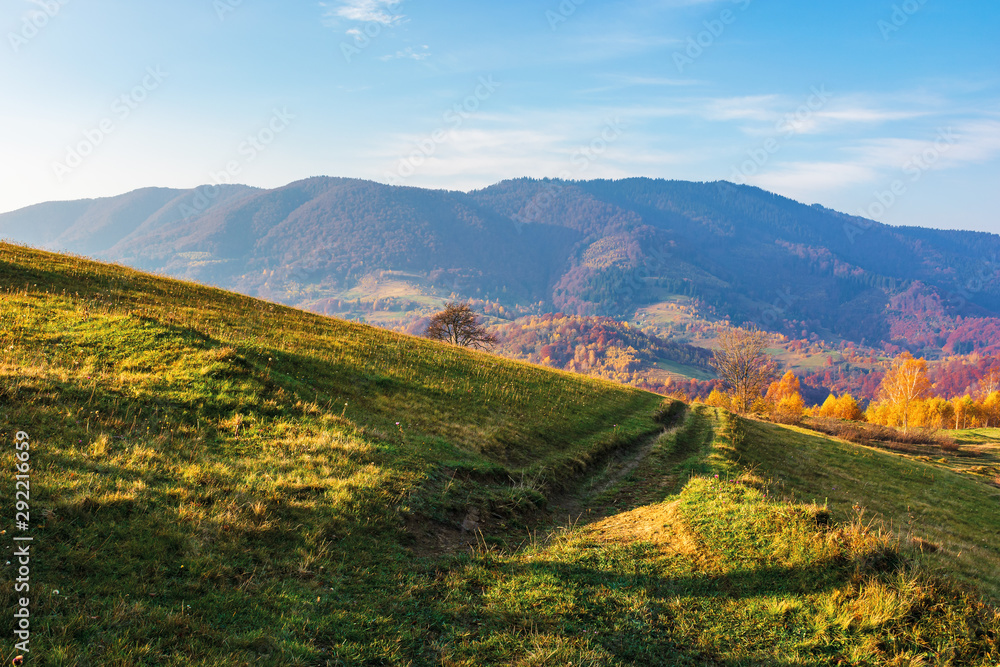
x: 885, y: 109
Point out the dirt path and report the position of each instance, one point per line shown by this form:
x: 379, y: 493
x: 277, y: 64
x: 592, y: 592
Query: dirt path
x: 610, y: 491
x: 619, y: 488
x: 614, y: 489
x: 644, y: 451
x: 573, y: 506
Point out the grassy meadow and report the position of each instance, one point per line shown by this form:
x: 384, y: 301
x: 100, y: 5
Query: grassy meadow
x: 720, y: 571
x: 218, y: 480
x: 950, y: 513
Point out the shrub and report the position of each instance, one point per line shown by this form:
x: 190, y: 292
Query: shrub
x: 789, y: 410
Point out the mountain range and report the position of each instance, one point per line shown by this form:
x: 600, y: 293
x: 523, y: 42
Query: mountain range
x: 619, y: 248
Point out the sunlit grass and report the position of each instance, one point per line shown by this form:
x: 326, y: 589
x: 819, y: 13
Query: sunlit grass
x: 220, y: 480
x: 954, y: 514
x: 223, y: 481
x: 722, y: 573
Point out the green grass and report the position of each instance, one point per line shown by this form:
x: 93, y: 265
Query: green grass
x: 957, y: 513
x: 222, y: 481
x: 977, y: 436
x: 219, y: 480
x: 722, y: 573
x: 684, y: 370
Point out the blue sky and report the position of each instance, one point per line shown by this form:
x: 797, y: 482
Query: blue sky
x: 889, y: 108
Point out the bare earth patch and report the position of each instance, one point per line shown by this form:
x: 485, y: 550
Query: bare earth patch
x: 661, y: 524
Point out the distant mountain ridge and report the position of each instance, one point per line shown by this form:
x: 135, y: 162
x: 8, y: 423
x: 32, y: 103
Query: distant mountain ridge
x: 584, y: 247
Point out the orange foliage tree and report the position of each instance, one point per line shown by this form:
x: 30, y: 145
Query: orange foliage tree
x: 785, y: 397
x: 845, y: 407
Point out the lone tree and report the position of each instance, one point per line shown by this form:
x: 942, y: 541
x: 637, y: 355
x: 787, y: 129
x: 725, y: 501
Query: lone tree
x: 458, y: 325
x: 744, y: 365
x: 904, y: 383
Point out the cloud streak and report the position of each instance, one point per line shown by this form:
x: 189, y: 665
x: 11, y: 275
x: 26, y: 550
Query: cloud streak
x: 383, y: 12
x: 877, y: 160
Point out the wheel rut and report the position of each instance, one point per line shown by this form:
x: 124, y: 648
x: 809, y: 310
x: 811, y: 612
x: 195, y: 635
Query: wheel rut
x: 595, y: 498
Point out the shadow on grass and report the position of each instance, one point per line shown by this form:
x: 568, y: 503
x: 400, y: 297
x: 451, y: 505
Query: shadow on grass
x: 635, y: 616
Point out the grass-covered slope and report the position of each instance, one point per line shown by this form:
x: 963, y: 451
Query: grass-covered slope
x: 222, y: 481
x: 218, y: 480
x: 952, y: 514
x: 725, y: 572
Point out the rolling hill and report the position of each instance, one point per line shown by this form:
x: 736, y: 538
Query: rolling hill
x: 217, y: 480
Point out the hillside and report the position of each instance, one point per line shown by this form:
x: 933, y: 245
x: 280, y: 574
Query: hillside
x: 724, y: 572
x: 602, y: 347
x: 209, y: 469
x: 220, y: 481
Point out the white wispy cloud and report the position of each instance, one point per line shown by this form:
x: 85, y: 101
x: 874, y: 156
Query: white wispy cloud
x: 384, y: 12
x: 754, y: 107
x: 811, y: 179
x: 879, y: 161
x: 816, y: 112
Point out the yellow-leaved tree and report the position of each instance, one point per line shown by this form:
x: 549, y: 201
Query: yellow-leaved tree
x: 904, y: 383
x: 785, y: 398
x: 848, y: 408
x: 845, y: 407
x: 718, y: 400
x: 965, y: 411
x: 829, y: 407
x: 991, y: 409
